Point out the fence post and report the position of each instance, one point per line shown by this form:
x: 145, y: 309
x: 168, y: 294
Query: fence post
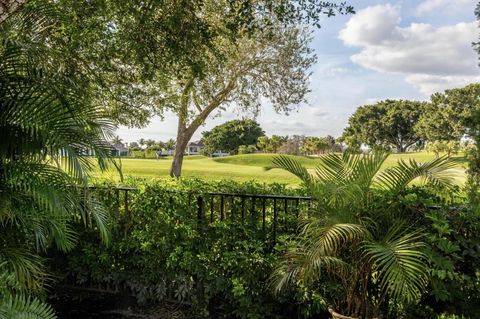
x: 199, y: 209
x: 274, y: 221
x: 200, y: 289
x: 222, y: 215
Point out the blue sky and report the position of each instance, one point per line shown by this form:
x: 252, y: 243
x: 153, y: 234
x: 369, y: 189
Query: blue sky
x: 390, y: 49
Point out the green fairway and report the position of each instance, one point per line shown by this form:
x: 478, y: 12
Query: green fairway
x: 244, y: 167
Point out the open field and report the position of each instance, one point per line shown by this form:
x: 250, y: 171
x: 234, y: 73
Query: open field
x: 244, y: 167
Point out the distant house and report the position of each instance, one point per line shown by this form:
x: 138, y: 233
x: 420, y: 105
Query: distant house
x: 119, y: 149
x: 194, y: 148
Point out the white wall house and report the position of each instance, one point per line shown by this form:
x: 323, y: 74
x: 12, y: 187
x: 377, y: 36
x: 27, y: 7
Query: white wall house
x: 119, y: 149
x: 194, y: 148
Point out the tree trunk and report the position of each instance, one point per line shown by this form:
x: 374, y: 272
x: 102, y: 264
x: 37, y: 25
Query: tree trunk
x: 184, y: 132
x: 183, y: 137
x: 8, y: 7
x: 176, y: 168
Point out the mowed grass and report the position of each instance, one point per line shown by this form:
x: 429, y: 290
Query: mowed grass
x: 246, y: 167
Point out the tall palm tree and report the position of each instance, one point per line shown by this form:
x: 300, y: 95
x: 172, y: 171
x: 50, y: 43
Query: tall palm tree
x: 355, y: 236
x: 46, y: 125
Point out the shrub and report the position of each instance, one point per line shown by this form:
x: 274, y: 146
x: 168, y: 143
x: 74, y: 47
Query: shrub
x: 158, y: 251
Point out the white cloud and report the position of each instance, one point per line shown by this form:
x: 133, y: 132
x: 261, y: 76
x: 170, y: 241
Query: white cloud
x: 371, y: 25
x: 448, y: 6
x: 431, y: 58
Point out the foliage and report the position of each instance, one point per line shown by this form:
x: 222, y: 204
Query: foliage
x: 159, y: 251
x: 389, y: 123
x: 196, y: 57
x: 451, y: 114
x: 359, y: 236
x: 161, y: 41
x: 229, y: 136
x: 453, y: 254
x: 272, y: 144
x: 246, y: 149
x: 47, y: 122
x: 449, y: 147
x: 315, y: 145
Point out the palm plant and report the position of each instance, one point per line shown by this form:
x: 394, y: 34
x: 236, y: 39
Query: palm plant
x: 46, y: 124
x: 355, y: 236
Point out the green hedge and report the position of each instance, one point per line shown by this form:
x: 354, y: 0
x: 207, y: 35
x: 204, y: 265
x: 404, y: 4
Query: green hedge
x: 158, y: 250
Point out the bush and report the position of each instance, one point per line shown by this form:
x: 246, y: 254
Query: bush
x: 246, y: 149
x: 158, y: 251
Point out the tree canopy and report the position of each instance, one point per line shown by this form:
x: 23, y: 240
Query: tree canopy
x: 193, y: 57
x: 389, y: 123
x: 229, y: 136
x: 452, y: 114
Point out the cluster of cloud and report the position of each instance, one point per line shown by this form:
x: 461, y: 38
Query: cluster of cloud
x: 431, y: 58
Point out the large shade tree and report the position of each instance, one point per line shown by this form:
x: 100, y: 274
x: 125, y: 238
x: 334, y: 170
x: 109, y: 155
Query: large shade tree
x: 452, y: 114
x: 229, y: 136
x: 389, y: 123
x: 273, y: 67
x: 194, y: 57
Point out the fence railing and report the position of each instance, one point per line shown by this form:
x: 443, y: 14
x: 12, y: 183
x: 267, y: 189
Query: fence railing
x: 267, y: 214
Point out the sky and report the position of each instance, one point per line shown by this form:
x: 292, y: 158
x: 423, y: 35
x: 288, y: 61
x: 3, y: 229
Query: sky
x: 406, y: 49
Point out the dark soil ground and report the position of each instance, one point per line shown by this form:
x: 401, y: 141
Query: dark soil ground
x: 81, y: 305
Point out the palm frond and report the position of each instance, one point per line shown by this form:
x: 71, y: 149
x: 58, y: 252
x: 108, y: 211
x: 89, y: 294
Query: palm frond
x: 26, y: 266
x: 329, y: 239
x: 294, y: 167
x: 299, y: 267
x: 434, y: 172
x: 21, y: 307
x: 399, y: 263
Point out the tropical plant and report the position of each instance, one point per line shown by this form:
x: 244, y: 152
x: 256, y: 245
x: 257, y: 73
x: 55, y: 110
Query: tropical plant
x: 357, y: 235
x: 47, y: 124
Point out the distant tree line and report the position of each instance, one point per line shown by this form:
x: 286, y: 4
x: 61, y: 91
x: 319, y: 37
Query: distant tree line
x: 437, y: 125
x: 246, y: 136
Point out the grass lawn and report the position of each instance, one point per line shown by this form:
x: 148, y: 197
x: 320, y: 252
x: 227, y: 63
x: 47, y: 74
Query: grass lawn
x: 243, y: 167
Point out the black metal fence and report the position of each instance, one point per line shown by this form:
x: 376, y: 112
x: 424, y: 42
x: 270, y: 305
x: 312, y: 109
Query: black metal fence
x: 269, y: 215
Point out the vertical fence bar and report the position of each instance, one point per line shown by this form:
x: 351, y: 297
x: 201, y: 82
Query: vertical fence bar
x: 200, y: 290
x: 263, y: 213
x: 222, y: 215
x: 117, y: 200
x: 211, y: 208
x: 199, y: 209
x: 285, y: 211
x: 126, y: 202
x: 243, y: 208
x: 252, y: 213
x: 274, y: 220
